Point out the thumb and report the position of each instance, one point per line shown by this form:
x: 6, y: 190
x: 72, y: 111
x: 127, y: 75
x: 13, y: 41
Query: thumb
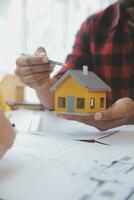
x: 40, y: 51
x: 111, y: 113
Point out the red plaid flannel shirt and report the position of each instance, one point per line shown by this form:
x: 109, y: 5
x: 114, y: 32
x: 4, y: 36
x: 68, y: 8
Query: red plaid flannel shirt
x: 105, y: 43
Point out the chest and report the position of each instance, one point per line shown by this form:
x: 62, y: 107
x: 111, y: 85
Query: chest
x: 113, y: 49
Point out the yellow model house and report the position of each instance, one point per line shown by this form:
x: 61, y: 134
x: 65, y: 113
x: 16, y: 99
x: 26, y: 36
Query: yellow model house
x: 12, y: 88
x: 80, y: 92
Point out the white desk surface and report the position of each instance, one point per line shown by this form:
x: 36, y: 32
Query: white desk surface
x: 47, y: 167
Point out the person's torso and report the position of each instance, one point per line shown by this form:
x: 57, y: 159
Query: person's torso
x: 112, y: 57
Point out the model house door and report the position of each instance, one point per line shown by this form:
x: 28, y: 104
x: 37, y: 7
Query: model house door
x: 70, y: 103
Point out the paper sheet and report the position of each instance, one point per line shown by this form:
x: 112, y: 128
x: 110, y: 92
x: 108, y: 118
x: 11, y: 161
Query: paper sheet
x: 52, y: 167
x: 86, y: 172
x: 26, y: 120
x: 46, y: 123
x: 125, y: 137
x: 28, y: 150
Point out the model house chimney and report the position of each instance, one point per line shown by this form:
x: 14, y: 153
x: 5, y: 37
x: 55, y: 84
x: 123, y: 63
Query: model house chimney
x: 85, y: 70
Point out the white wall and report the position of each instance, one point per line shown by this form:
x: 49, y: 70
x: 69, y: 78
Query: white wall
x: 54, y: 23
x: 27, y: 24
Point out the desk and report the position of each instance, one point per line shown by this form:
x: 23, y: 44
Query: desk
x: 49, y: 167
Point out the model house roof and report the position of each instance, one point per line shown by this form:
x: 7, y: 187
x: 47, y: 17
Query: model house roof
x: 89, y: 80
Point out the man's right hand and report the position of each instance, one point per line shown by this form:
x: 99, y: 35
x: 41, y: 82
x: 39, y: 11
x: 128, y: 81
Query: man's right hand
x: 34, y: 70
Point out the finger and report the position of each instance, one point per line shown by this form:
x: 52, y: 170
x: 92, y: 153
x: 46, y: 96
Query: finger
x: 42, y: 53
x: 52, y: 66
x: 34, y: 78
x: 37, y: 83
x: 79, y: 118
x: 32, y: 70
x: 29, y: 60
x: 111, y: 113
x: 106, y: 124
x: 120, y: 109
x: 102, y: 125
x: 40, y: 50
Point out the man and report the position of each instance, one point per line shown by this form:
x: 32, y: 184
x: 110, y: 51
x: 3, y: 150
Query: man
x: 105, y: 43
x: 7, y: 134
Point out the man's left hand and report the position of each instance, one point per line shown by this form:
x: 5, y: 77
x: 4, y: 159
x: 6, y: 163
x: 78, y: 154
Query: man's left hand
x: 120, y: 113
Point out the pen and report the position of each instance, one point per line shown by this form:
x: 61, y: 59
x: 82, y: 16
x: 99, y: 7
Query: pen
x: 56, y: 63
x: 50, y: 61
x: 93, y: 141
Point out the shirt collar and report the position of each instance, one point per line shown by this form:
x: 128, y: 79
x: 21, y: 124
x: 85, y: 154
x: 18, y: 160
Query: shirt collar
x: 116, y: 16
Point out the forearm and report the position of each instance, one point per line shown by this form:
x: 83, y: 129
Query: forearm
x: 45, y: 96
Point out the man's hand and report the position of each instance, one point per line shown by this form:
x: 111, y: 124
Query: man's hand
x: 7, y: 134
x: 120, y: 113
x: 34, y: 70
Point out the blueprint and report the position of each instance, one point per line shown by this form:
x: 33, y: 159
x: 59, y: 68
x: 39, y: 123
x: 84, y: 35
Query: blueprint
x: 41, y: 165
x: 58, y: 169
x: 112, y: 180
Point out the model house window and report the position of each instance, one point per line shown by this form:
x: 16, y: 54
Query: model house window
x: 92, y: 103
x: 80, y: 103
x: 102, y: 102
x: 61, y: 102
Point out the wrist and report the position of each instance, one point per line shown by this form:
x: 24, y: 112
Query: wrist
x: 44, y: 85
x: 46, y: 97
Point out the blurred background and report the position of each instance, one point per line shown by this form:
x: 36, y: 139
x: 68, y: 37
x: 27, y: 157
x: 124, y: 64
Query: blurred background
x: 28, y: 24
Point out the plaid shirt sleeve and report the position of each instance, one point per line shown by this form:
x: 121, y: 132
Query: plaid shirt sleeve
x: 81, y: 53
